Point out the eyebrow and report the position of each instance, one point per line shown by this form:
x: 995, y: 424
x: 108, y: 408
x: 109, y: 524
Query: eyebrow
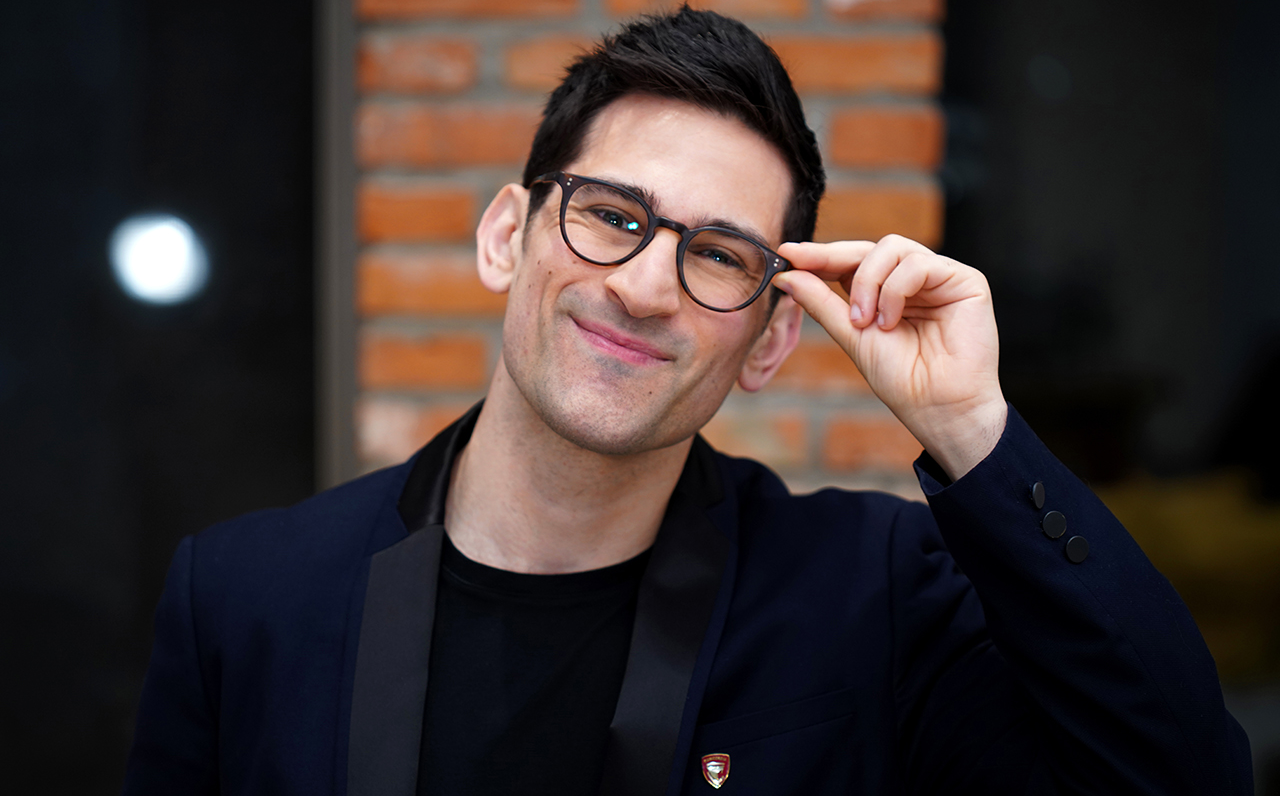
x: 698, y: 221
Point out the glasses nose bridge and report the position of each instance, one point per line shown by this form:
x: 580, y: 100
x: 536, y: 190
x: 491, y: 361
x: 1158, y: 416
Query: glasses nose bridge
x: 670, y: 223
x: 658, y: 223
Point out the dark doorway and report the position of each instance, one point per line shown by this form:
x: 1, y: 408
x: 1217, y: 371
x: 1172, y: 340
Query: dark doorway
x: 1111, y: 168
x: 125, y: 426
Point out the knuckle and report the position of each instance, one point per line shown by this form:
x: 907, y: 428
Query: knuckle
x: 918, y: 258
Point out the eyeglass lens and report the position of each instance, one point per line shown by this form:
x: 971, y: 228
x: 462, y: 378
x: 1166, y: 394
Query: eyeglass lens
x: 605, y: 225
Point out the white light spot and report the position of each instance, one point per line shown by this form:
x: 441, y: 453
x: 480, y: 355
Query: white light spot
x: 158, y: 259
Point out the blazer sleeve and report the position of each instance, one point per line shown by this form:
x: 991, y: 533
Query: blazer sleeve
x: 175, y: 739
x: 1069, y: 674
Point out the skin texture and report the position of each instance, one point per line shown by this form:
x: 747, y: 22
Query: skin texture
x: 608, y: 372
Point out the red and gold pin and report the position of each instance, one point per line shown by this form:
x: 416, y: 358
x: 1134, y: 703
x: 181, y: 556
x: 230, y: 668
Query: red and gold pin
x: 715, y: 769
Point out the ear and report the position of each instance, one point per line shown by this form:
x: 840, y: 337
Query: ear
x: 774, y: 344
x: 499, y: 237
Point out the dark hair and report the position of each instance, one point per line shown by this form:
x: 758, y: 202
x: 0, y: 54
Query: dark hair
x: 699, y: 57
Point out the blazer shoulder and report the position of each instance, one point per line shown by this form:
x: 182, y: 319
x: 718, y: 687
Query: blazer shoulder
x: 337, y: 526
x: 765, y: 505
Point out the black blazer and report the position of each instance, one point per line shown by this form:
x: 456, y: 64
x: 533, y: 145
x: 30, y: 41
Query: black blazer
x: 829, y: 644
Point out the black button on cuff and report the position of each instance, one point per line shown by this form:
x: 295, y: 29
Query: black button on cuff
x: 1054, y: 524
x: 1077, y: 549
x: 1037, y: 494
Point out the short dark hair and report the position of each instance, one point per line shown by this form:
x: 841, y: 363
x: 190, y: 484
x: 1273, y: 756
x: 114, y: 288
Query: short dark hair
x: 699, y: 57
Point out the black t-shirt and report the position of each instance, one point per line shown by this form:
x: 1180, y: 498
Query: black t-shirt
x: 524, y: 678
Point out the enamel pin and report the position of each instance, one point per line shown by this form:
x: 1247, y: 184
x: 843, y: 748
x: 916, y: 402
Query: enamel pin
x: 715, y: 769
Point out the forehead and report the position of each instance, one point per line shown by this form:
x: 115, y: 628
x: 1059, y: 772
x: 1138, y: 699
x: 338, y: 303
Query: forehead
x: 699, y: 165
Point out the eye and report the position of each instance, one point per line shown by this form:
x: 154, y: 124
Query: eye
x: 616, y: 219
x: 714, y: 254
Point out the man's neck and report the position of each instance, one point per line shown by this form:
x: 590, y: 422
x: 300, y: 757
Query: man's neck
x: 523, y: 498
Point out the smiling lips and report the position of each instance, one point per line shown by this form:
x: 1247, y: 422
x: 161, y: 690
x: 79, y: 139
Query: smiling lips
x: 628, y: 349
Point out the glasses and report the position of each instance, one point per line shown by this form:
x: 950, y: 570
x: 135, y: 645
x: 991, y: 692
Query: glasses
x: 607, y: 224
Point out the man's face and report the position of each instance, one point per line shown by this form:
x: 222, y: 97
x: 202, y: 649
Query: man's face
x: 619, y: 359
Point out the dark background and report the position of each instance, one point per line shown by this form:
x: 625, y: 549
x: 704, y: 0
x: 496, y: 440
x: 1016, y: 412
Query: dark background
x: 122, y: 426
x: 1112, y: 167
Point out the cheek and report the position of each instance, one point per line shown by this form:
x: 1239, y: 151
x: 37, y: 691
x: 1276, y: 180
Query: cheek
x: 723, y: 363
x: 528, y: 287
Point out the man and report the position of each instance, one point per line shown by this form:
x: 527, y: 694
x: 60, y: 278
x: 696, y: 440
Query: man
x: 569, y: 592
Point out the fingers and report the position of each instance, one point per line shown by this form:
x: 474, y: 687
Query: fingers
x: 826, y: 306
x: 866, y: 299
x: 862, y: 267
x: 881, y: 278
x: 830, y: 261
x: 914, y: 274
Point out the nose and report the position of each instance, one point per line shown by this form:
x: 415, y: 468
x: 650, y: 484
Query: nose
x: 648, y: 284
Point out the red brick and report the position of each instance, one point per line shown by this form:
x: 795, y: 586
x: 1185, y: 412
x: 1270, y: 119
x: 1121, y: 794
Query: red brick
x: 868, y: 442
x: 746, y: 9
x: 431, y: 283
x: 918, y: 10
x: 463, y: 9
x: 415, y: 64
x: 902, y: 63
x: 390, y: 212
x: 389, y: 430
x: 539, y: 64
x: 886, y: 137
x: 819, y: 366
x: 776, y: 438
x: 434, y: 136
x: 872, y: 210
x: 455, y: 361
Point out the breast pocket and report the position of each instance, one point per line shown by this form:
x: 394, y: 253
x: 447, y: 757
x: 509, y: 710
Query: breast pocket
x: 816, y: 746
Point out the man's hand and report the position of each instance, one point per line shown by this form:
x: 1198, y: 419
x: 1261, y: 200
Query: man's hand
x: 921, y: 329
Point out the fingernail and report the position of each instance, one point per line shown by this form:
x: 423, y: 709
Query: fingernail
x: 880, y: 319
x: 855, y: 312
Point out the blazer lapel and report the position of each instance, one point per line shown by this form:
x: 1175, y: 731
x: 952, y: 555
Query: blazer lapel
x: 391, y: 666
x: 680, y: 613
x: 394, y: 651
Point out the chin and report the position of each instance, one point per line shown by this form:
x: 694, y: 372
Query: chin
x: 611, y: 432
x: 604, y: 415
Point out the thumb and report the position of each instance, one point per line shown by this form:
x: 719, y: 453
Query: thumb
x: 823, y: 304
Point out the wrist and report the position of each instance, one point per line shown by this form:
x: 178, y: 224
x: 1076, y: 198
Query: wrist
x: 958, y: 441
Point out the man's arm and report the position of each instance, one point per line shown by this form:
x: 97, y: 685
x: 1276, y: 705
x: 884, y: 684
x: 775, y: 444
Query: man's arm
x: 1124, y: 691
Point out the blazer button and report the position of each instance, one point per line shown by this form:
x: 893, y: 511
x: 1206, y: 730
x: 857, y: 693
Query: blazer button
x: 1077, y: 549
x: 1054, y: 524
x: 1037, y: 494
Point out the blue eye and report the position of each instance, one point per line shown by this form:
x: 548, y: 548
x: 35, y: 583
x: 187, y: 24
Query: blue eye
x: 615, y: 219
x: 720, y: 256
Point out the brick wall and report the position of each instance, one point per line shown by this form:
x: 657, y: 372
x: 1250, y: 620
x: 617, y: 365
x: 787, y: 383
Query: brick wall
x: 449, y: 95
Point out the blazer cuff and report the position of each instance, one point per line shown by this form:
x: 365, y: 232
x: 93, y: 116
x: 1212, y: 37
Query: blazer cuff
x: 933, y: 479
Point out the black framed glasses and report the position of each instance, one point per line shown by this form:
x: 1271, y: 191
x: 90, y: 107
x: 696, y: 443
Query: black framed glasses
x: 607, y: 224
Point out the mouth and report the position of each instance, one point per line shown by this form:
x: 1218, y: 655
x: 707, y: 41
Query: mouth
x: 624, y: 347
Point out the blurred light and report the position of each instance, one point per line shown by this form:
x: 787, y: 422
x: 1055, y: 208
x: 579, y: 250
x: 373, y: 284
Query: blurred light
x: 158, y: 259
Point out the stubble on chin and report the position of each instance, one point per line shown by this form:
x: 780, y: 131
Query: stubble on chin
x: 592, y: 401
x: 583, y: 410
